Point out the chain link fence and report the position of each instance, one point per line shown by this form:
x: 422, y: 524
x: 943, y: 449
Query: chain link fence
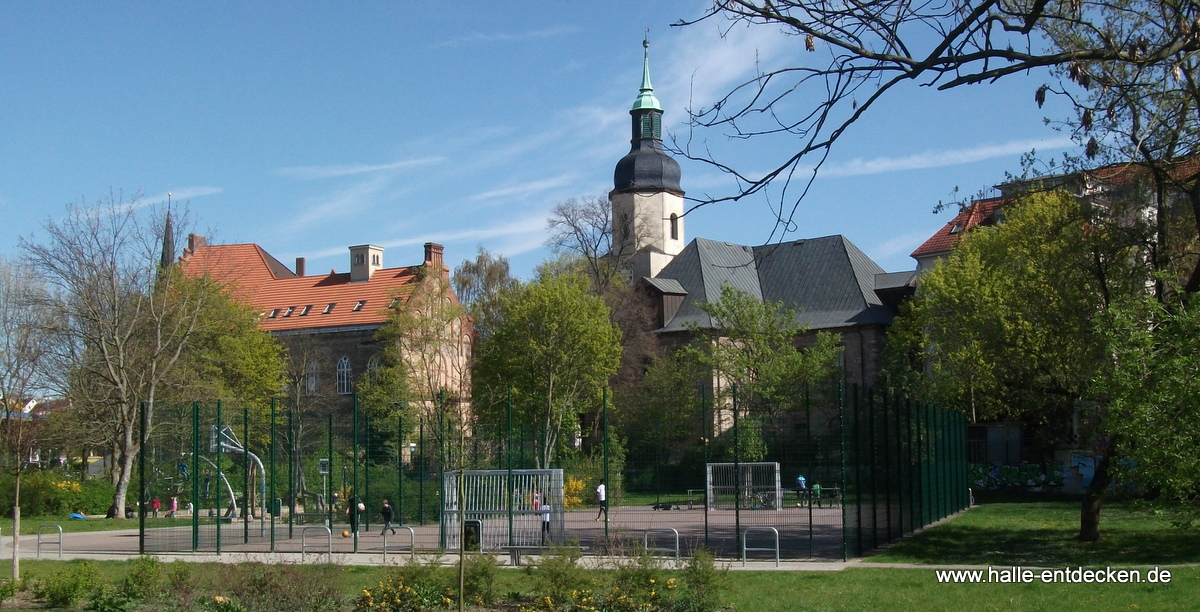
x: 832, y: 472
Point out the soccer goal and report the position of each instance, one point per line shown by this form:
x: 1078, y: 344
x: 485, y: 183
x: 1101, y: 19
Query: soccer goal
x: 749, y: 486
x: 499, y: 512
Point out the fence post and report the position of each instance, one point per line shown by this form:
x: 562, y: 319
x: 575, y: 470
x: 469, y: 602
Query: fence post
x: 329, y: 450
x: 272, y: 497
x: 737, y: 469
x: 195, y: 476
x: 354, y: 498
x: 141, y: 480
x: 245, y: 474
x: 608, y: 494
x: 220, y: 476
x: 508, y: 457
x: 705, y: 435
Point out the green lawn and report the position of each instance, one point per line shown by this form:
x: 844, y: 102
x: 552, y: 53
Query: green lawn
x: 1043, y: 533
x: 851, y: 589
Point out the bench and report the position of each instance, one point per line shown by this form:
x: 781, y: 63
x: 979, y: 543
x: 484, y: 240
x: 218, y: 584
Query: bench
x: 318, y: 518
x: 515, y: 551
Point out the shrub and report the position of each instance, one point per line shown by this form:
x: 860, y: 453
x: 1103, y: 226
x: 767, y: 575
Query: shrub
x: 78, y: 580
x: 393, y: 595
x: 558, y: 574
x: 109, y: 599
x: 51, y: 493
x: 144, y: 578
x: 479, y: 579
x: 703, y: 584
x: 8, y: 588
x: 270, y: 588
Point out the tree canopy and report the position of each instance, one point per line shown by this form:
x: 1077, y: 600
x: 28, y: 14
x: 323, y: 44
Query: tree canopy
x: 555, y: 349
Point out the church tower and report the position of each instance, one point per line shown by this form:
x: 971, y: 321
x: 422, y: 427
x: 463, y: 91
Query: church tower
x: 647, y: 203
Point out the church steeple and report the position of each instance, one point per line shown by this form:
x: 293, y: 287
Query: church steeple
x: 647, y: 202
x: 646, y: 167
x: 646, y: 100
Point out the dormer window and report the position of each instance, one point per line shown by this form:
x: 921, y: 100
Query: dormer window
x: 395, y: 302
x: 956, y: 228
x: 329, y: 308
x: 289, y: 311
x: 304, y: 311
x: 274, y: 313
x: 359, y: 305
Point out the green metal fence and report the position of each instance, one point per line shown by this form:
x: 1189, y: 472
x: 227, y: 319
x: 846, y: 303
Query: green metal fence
x: 264, y: 478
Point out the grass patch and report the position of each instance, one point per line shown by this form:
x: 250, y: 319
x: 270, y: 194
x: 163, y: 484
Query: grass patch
x: 852, y: 589
x: 915, y: 589
x: 1043, y: 533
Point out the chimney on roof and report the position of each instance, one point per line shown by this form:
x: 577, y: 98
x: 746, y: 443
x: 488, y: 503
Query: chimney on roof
x: 195, y: 241
x: 365, y: 259
x: 434, y: 255
x: 299, y: 266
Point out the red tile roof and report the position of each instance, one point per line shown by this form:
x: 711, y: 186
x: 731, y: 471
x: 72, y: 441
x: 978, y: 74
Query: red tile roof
x: 301, y: 302
x: 977, y: 213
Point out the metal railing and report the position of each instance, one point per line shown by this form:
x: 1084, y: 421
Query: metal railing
x: 646, y: 540
x: 412, y: 542
x: 42, y: 529
x: 746, y: 532
x: 320, y: 528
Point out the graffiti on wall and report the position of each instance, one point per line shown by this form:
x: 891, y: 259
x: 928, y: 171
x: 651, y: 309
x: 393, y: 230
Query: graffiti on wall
x: 1073, y: 475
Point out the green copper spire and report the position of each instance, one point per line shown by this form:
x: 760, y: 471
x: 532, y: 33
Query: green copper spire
x: 646, y: 99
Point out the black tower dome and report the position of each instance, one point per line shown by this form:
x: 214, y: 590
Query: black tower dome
x: 646, y: 167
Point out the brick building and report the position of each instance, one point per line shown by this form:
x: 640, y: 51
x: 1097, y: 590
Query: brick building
x: 328, y: 321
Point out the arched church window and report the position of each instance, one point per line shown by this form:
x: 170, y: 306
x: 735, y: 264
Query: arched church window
x: 343, y: 376
x: 373, y: 365
x: 674, y: 226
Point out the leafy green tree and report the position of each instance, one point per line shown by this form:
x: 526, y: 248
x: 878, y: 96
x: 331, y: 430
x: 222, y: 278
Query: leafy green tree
x: 1153, y: 393
x: 556, y: 349
x: 1010, y: 324
x: 754, y: 346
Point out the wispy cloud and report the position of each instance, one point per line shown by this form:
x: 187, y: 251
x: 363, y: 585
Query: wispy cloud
x: 474, y: 38
x: 356, y: 197
x: 707, y: 62
x: 899, y: 245
x: 306, y: 173
x: 938, y: 159
x: 517, y: 236
x: 534, y: 224
x: 524, y: 188
x: 178, y: 195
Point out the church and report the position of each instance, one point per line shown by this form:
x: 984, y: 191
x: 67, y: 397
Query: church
x: 829, y: 282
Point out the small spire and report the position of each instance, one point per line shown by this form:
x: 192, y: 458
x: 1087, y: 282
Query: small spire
x: 168, y: 246
x: 646, y: 100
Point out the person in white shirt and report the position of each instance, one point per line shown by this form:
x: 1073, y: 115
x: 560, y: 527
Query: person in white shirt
x: 600, y: 496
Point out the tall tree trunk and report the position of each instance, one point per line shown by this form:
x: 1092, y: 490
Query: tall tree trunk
x: 1089, y: 513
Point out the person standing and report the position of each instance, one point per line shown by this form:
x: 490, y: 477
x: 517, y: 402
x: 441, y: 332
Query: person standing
x: 545, y: 510
x: 387, y: 515
x: 174, y: 507
x: 601, y: 496
x: 156, y: 505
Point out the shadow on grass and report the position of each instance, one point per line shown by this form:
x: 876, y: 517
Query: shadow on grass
x: 1045, y: 534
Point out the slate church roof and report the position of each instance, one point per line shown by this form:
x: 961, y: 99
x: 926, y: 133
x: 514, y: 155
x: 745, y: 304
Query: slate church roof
x: 828, y: 281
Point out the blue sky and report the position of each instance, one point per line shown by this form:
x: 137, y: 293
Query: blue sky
x: 311, y: 127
